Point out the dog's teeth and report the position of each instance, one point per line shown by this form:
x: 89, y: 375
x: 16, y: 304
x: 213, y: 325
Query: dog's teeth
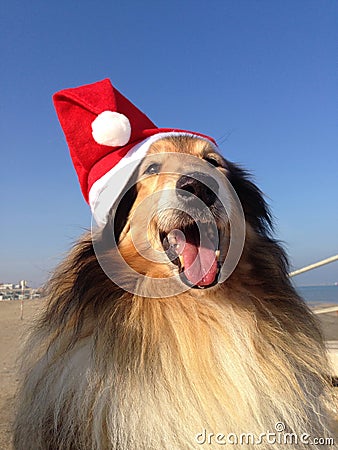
x: 217, y: 253
x: 172, y: 240
x: 181, y: 260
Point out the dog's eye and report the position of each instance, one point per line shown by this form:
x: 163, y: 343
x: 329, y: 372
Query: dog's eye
x: 153, y: 169
x: 212, y: 161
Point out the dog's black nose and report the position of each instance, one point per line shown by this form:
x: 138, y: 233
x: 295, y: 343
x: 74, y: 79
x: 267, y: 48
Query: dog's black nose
x: 197, y: 184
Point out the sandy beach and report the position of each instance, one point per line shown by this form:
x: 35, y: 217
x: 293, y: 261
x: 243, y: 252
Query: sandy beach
x: 12, y: 332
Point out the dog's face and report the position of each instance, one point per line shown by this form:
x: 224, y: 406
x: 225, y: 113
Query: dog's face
x: 174, y: 220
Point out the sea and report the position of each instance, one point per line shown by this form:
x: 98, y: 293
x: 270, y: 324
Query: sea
x: 319, y: 294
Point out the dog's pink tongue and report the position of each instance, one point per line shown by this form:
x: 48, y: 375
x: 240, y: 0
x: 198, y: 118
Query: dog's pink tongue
x: 200, y: 264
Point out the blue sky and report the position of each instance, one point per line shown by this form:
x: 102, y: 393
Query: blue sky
x: 262, y: 74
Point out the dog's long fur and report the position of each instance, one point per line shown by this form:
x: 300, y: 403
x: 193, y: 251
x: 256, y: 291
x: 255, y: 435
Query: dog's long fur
x: 106, y: 369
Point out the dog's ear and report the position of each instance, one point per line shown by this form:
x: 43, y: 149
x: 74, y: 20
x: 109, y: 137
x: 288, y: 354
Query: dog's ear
x: 119, y: 213
x: 255, y: 208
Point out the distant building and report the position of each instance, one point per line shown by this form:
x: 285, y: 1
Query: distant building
x: 20, y: 291
x: 4, y: 286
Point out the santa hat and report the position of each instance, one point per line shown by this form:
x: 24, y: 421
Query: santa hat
x: 107, y: 136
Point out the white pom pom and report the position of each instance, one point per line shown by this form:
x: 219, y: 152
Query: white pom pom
x: 111, y: 128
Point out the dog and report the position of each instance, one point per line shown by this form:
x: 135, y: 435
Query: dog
x: 142, y: 343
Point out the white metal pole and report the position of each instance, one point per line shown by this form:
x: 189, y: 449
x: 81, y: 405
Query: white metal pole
x: 313, y: 266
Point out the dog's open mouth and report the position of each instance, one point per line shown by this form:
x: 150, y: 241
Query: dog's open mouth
x: 195, y: 250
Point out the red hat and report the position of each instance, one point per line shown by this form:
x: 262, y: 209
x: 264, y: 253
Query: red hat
x: 107, y: 136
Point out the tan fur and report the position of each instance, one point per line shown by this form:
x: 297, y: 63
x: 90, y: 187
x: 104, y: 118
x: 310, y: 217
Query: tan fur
x: 112, y: 370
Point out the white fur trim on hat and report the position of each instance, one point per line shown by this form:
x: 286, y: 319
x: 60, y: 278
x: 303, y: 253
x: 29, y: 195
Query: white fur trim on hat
x: 111, y: 128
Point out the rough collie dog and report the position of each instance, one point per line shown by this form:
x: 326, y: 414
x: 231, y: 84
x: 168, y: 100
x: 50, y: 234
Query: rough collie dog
x: 122, y: 359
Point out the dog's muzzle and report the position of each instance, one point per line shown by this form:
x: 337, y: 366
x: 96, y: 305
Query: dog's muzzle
x: 193, y: 244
